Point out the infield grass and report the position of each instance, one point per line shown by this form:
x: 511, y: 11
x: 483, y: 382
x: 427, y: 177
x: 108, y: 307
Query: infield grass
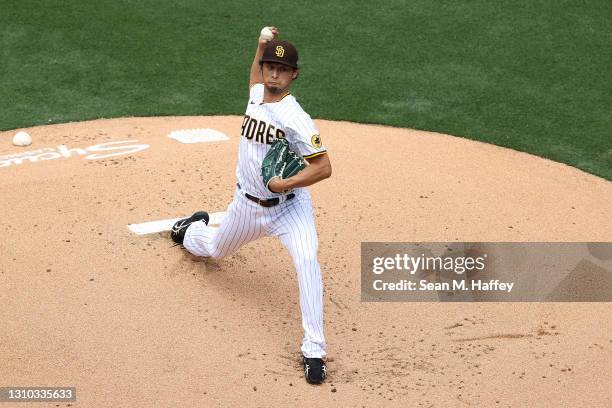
x: 530, y: 75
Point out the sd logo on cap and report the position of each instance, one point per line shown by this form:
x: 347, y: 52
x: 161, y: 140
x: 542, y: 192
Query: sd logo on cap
x: 282, y: 52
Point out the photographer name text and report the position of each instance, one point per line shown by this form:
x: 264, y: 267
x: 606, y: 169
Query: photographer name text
x: 425, y: 285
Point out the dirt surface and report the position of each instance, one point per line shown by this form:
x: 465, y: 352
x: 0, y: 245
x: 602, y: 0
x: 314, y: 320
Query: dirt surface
x: 132, y: 321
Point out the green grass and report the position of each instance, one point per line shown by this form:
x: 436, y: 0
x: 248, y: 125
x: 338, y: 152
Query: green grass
x: 530, y: 75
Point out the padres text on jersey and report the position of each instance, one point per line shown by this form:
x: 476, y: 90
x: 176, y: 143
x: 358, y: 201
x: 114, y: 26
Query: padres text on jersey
x: 264, y: 122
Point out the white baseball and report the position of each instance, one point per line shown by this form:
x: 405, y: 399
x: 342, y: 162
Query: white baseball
x: 22, y: 139
x: 266, y: 33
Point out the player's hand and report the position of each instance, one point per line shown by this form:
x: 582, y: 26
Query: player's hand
x: 277, y: 185
x: 274, y: 30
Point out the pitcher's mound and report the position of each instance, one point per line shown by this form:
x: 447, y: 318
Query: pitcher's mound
x: 132, y: 321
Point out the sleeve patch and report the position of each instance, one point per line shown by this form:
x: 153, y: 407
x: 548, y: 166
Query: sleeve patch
x: 316, y: 142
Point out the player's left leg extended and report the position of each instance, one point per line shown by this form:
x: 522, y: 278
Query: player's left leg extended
x: 242, y: 223
x: 294, y: 225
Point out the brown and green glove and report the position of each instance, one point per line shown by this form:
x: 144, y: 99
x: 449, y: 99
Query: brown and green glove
x: 281, y: 161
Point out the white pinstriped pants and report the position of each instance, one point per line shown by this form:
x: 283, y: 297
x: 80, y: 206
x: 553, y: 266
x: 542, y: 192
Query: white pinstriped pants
x: 293, y: 222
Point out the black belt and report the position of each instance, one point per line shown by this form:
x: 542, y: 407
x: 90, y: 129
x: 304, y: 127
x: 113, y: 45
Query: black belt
x: 270, y: 202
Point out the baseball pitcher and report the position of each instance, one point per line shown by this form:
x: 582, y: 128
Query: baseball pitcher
x: 280, y: 154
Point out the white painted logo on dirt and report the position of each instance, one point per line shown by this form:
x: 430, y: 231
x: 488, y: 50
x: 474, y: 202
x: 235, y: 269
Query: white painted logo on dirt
x: 197, y: 135
x: 165, y: 225
x: 95, y: 152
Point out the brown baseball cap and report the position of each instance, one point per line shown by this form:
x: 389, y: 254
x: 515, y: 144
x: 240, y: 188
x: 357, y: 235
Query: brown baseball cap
x: 282, y: 52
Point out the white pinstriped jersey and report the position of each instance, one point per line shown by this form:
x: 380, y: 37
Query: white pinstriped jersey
x: 262, y: 124
x: 292, y: 221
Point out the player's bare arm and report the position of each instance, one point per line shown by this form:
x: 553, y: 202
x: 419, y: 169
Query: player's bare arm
x: 319, y: 168
x: 256, y: 75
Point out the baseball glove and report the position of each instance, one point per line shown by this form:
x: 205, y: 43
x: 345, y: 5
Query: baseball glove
x: 281, y: 161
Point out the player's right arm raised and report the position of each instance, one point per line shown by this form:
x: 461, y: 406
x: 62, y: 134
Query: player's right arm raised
x: 256, y: 76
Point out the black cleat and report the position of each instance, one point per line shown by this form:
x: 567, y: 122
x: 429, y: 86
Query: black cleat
x: 177, y: 233
x: 314, y: 370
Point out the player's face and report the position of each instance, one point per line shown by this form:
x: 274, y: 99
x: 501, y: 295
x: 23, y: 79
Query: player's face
x: 278, y: 77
